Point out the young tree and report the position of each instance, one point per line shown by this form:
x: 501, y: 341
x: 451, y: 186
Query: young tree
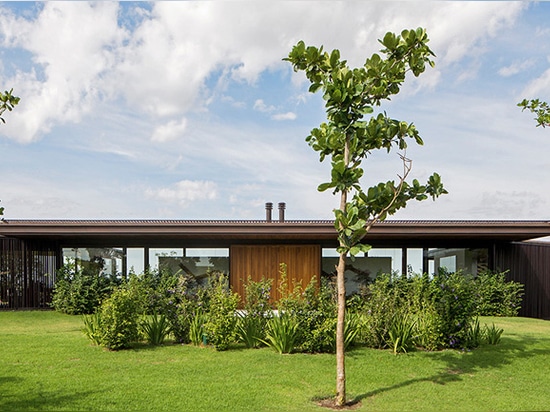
x: 540, y: 108
x: 348, y: 140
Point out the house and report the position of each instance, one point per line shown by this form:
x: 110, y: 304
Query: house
x: 31, y: 251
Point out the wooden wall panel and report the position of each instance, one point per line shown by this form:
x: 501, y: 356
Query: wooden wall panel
x: 257, y: 262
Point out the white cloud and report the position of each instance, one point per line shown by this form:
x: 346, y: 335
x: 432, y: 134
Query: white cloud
x: 72, y: 46
x: 538, y: 88
x: 160, y: 65
x: 169, y: 131
x: 260, y: 106
x: 284, y: 116
x: 185, y: 192
x: 516, y: 67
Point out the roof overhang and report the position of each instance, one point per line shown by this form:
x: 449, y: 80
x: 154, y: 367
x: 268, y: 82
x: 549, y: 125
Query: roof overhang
x: 419, y: 233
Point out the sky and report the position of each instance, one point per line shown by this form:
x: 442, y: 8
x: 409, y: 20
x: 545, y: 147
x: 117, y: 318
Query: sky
x: 186, y: 110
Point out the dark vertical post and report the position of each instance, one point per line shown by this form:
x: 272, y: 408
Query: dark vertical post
x: 425, y: 260
x: 404, y: 261
x: 282, y: 207
x: 268, y: 209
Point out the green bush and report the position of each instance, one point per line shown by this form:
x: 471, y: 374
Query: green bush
x: 252, y: 321
x: 441, y: 307
x: 401, y: 333
x: 197, y: 334
x: 79, y: 291
x: 220, y: 326
x: 282, y: 333
x: 155, y: 328
x: 495, y: 296
x: 493, y: 334
x: 119, y: 319
x: 92, y: 327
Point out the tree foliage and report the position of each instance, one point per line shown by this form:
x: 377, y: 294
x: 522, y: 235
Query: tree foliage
x: 347, y: 139
x: 539, y: 108
x: 7, y: 102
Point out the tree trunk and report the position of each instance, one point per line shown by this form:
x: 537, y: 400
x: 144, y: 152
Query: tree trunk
x: 341, y: 320
x: 340, y: 325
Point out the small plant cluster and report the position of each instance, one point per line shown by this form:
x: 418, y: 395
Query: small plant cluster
x: 80, y: 290
x: 495, y: 296
x: 434, y: 312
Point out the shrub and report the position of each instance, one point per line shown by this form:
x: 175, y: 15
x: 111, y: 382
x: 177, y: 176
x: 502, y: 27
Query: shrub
x: 155, y: 329
x: 252, y: 322
x: 474, y: 334
x: 220, y: 326
x: 441, y: 307
x: 92, y: 327
x: 80, y: 290
x: 282, y: 333
x: 493, y: 334
x: 495, y: 296
x: 197, y: 334
x: 119, y: 320
x: 401, y: 333
x: 251, y: 329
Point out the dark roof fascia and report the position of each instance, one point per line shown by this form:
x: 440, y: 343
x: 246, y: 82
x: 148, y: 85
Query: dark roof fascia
x: 408, y: 231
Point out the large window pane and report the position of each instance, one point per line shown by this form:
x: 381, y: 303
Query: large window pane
x: 359, y: 272
x: 135, y: 260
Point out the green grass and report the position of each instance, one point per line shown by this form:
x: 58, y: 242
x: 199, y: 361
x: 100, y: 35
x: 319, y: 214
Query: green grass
x: 47, y: 363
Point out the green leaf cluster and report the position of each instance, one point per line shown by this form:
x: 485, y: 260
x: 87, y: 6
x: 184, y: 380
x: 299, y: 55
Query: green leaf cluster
x: 347, y: 138
x: 7, y: 102
x: 539, y: 108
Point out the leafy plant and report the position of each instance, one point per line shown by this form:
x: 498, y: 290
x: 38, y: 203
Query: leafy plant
x: 474, y: 334
x: 401, y: 333
x: 251, y: 329
x: 92, y: 327
x: 493, y: 334
x: 495, y: 296
x: 220, y: 326
x: 282, y: 333
x: 119, y: 320
x: 197, y: 334
x: 155, y: 328
x: 80, y: 290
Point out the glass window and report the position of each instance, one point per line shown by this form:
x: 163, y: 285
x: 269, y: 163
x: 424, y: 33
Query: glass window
x: 415, y: 258
x: 359, y: 272
x: 395, y: 254
x: 165, y: 258
x: 107, y: 261
x: 135, y: 260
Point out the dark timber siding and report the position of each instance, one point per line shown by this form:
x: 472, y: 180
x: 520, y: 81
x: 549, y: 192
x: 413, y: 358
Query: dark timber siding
x: 529, y: 263
x: 27, y: 274
x: 256, y: 262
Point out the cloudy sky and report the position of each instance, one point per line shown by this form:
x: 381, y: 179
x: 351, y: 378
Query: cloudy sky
x: 185, y: 110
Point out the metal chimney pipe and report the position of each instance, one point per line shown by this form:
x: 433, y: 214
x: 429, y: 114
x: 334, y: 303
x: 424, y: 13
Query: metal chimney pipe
x: 268, y: 209
x: 282, y: 207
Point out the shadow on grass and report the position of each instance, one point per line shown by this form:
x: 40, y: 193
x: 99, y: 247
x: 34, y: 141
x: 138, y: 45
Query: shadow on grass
x: 457, y: 365
x: 40, y: 399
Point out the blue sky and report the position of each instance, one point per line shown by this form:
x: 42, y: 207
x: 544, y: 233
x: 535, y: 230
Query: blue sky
x: 185, y: 110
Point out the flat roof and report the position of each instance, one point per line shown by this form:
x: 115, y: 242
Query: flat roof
x: 165, y: 232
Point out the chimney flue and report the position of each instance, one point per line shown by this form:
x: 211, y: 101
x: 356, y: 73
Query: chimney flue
x: 282, y: 207
x: 268, y: 209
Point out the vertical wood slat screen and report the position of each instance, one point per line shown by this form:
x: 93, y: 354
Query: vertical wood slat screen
x: 528, y: 263
x: 256, y: 262
x: 27, y: 274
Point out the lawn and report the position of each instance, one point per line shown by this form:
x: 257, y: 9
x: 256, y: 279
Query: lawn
x: 46, y: 363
